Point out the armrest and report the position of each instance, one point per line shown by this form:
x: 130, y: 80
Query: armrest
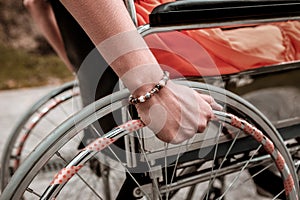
x: 212, y: 11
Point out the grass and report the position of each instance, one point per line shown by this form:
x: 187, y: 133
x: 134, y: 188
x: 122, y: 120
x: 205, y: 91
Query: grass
x: 19, y: 69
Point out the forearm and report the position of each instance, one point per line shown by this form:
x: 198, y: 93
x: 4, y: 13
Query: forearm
x: 44, y: 18
x: 176, y: 112
x: 113, y: 23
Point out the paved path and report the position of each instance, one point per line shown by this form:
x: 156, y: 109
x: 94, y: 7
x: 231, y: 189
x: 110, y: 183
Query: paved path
x: 13, y: 104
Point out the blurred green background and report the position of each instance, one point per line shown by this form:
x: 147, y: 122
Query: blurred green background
x: 26, y: 59
x: 20, y: 68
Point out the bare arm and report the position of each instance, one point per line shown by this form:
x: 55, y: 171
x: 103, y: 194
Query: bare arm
x: 43, y: 17
x: 102, y: 20
x: 176, y: 112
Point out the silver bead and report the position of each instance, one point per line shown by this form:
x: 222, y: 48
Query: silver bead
x: 142, y: 99
x: 147, y: 95
x: 162, y: 83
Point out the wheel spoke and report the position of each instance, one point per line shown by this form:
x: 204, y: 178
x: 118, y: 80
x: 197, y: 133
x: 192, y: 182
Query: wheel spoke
x: 80, y: 177
x: 122, y: 164
x: 240, y: 172
x: 156, y: 187
x: 33, y: 192
x: 214, y: 158
x: 215, y: 172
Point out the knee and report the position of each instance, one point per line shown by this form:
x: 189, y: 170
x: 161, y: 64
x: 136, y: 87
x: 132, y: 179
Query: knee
x: 31, y: 4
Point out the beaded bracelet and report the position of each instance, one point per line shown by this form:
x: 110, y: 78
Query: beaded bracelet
x: 148, y: 95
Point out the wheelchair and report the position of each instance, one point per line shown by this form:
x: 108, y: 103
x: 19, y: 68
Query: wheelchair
x: 210, y: 165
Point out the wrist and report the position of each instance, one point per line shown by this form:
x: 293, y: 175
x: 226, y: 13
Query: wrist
x: 137, y: 97
x: 142, y: 78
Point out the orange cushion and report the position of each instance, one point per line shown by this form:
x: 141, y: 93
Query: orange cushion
x: 211, y: 52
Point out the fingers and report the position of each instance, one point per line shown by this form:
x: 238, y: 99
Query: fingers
x: 210, y: 100
x: 206, y: 114
x: 207, y: 105
x: 202, y: 125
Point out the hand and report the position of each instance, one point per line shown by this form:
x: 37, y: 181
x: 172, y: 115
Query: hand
x: 177, y: 112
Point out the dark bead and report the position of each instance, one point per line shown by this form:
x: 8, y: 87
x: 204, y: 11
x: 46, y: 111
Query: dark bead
x: 135, y: 101
x: 155, y: 90
x: 158, y: 86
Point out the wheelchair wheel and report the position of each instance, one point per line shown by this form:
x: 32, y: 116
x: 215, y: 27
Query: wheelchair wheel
x: 209, y: 166
x: 40, y: 120
x: 285, y: 99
